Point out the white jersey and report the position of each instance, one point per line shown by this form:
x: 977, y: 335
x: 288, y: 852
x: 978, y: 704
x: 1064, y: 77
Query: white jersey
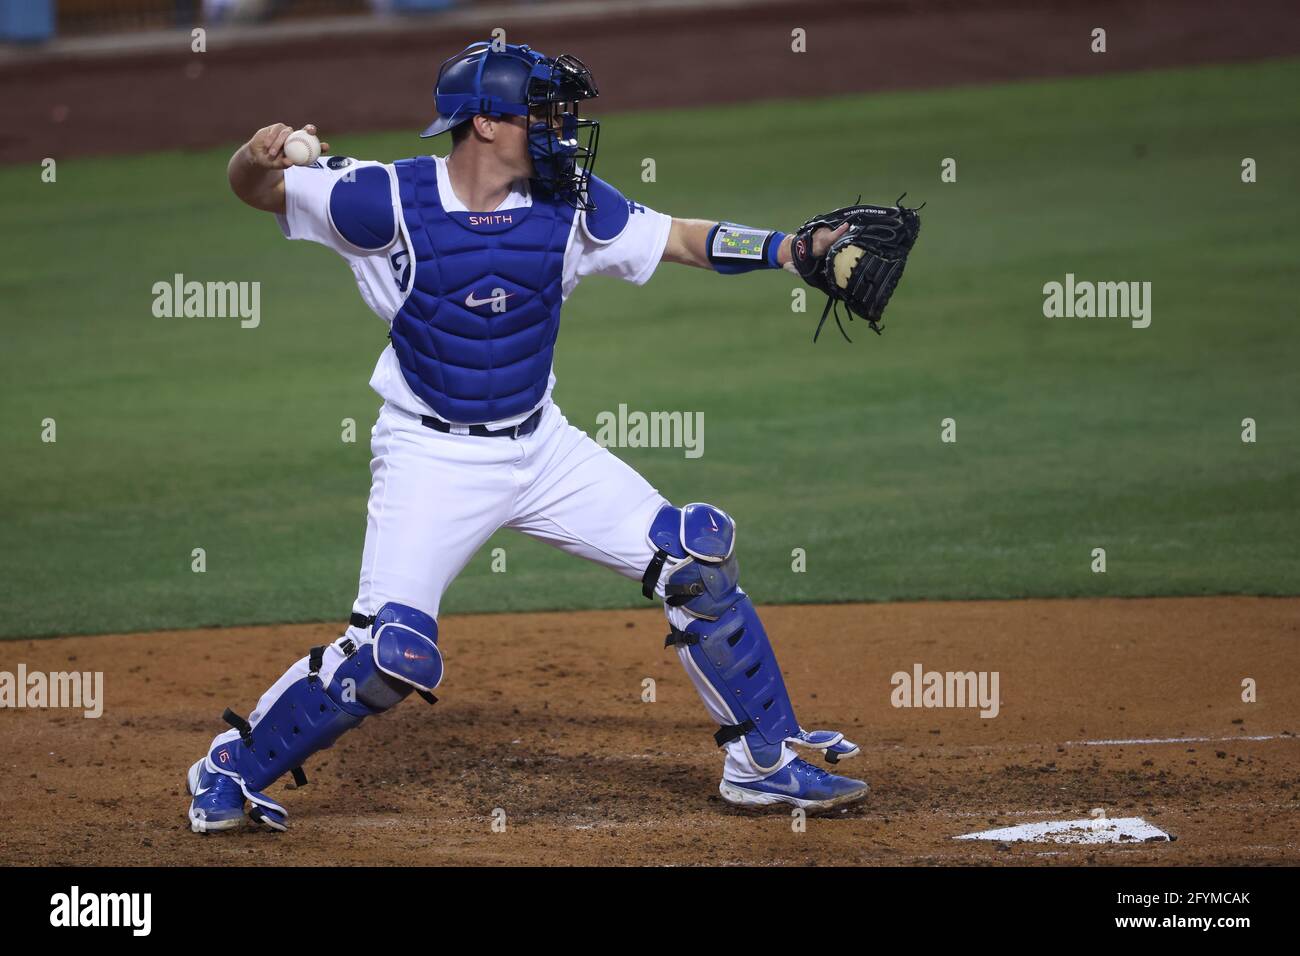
x: 381, y: 274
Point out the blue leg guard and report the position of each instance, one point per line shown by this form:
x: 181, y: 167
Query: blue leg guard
x: 310, y: 714
x: 735, y: 657
x: 726, y: 642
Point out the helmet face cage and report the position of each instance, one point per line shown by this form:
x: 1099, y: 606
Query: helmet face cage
x: 561, y: 143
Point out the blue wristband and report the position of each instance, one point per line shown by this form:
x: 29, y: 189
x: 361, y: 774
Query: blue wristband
x: 734, y: 249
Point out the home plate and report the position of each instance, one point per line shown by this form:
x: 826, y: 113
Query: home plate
x: 1095, y: 830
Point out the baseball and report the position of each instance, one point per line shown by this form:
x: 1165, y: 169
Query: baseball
x: 302, y: 148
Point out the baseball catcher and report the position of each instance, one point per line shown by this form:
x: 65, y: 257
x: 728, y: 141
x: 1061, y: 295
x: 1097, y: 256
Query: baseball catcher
x: 468, y: 259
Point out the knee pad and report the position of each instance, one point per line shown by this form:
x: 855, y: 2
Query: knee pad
x: 700, y: 542
x: 311, y: 714
x: 406, y: 646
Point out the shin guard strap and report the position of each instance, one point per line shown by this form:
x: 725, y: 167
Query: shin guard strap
x: 729, y: 732
x: 652, y: 571
x: 315, y: 658
x: 679, y: 638
x: 239, y: 723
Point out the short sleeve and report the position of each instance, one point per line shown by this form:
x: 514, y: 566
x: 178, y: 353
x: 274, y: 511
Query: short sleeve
x: 341, y: 203
x: 633, y: 253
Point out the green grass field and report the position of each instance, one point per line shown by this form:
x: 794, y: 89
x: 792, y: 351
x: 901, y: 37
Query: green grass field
x: 175, y: 434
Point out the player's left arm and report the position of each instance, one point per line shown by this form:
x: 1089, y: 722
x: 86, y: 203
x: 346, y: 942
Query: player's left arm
x: 627, y: 240
x: 855, y: 254
x: 727, y: 248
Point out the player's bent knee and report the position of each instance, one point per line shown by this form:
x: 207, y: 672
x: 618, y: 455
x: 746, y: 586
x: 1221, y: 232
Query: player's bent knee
x: 697, y: 542
x: 406, y: 646
x: 402, y: 655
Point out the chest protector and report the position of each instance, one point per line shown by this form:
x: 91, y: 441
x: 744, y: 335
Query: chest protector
x: 476, y: 335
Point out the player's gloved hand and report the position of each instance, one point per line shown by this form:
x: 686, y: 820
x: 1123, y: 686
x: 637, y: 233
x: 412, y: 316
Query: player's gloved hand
x: 863, y: 262
x: 266, y: 148
x: 808, y: 256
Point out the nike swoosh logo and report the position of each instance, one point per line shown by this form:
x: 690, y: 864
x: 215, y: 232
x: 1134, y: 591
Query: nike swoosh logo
x: 791, y: 787
x: 474, y: 301
x: 200, y: 791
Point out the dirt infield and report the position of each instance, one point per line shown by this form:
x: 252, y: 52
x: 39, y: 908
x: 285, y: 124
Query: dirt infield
x: 373, y: 79
x: 541, y: 716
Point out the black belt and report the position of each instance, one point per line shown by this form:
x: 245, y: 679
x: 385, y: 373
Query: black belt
x: 524, y: 428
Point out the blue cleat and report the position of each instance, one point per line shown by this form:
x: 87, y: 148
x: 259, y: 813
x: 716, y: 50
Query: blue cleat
x: 218, y: 802
x: 799, y: 784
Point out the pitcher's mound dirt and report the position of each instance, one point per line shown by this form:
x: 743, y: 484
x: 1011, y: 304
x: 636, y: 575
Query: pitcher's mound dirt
x: 542, y: 717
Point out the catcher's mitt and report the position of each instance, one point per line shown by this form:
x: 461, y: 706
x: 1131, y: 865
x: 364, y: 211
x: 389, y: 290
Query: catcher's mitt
x: 863, y: 266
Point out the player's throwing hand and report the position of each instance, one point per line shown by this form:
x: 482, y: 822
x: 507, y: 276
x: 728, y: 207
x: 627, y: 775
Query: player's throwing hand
x: 266, y: 148
x: 256, y: 170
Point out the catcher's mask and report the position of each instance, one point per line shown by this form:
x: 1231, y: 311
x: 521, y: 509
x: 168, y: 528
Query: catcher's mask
x: 513, y: 80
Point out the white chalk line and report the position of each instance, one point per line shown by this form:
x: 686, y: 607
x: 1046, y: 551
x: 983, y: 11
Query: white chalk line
x: 1174, y: 740
x: 938, y: 749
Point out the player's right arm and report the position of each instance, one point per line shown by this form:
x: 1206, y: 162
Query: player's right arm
x: 256, y: 171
